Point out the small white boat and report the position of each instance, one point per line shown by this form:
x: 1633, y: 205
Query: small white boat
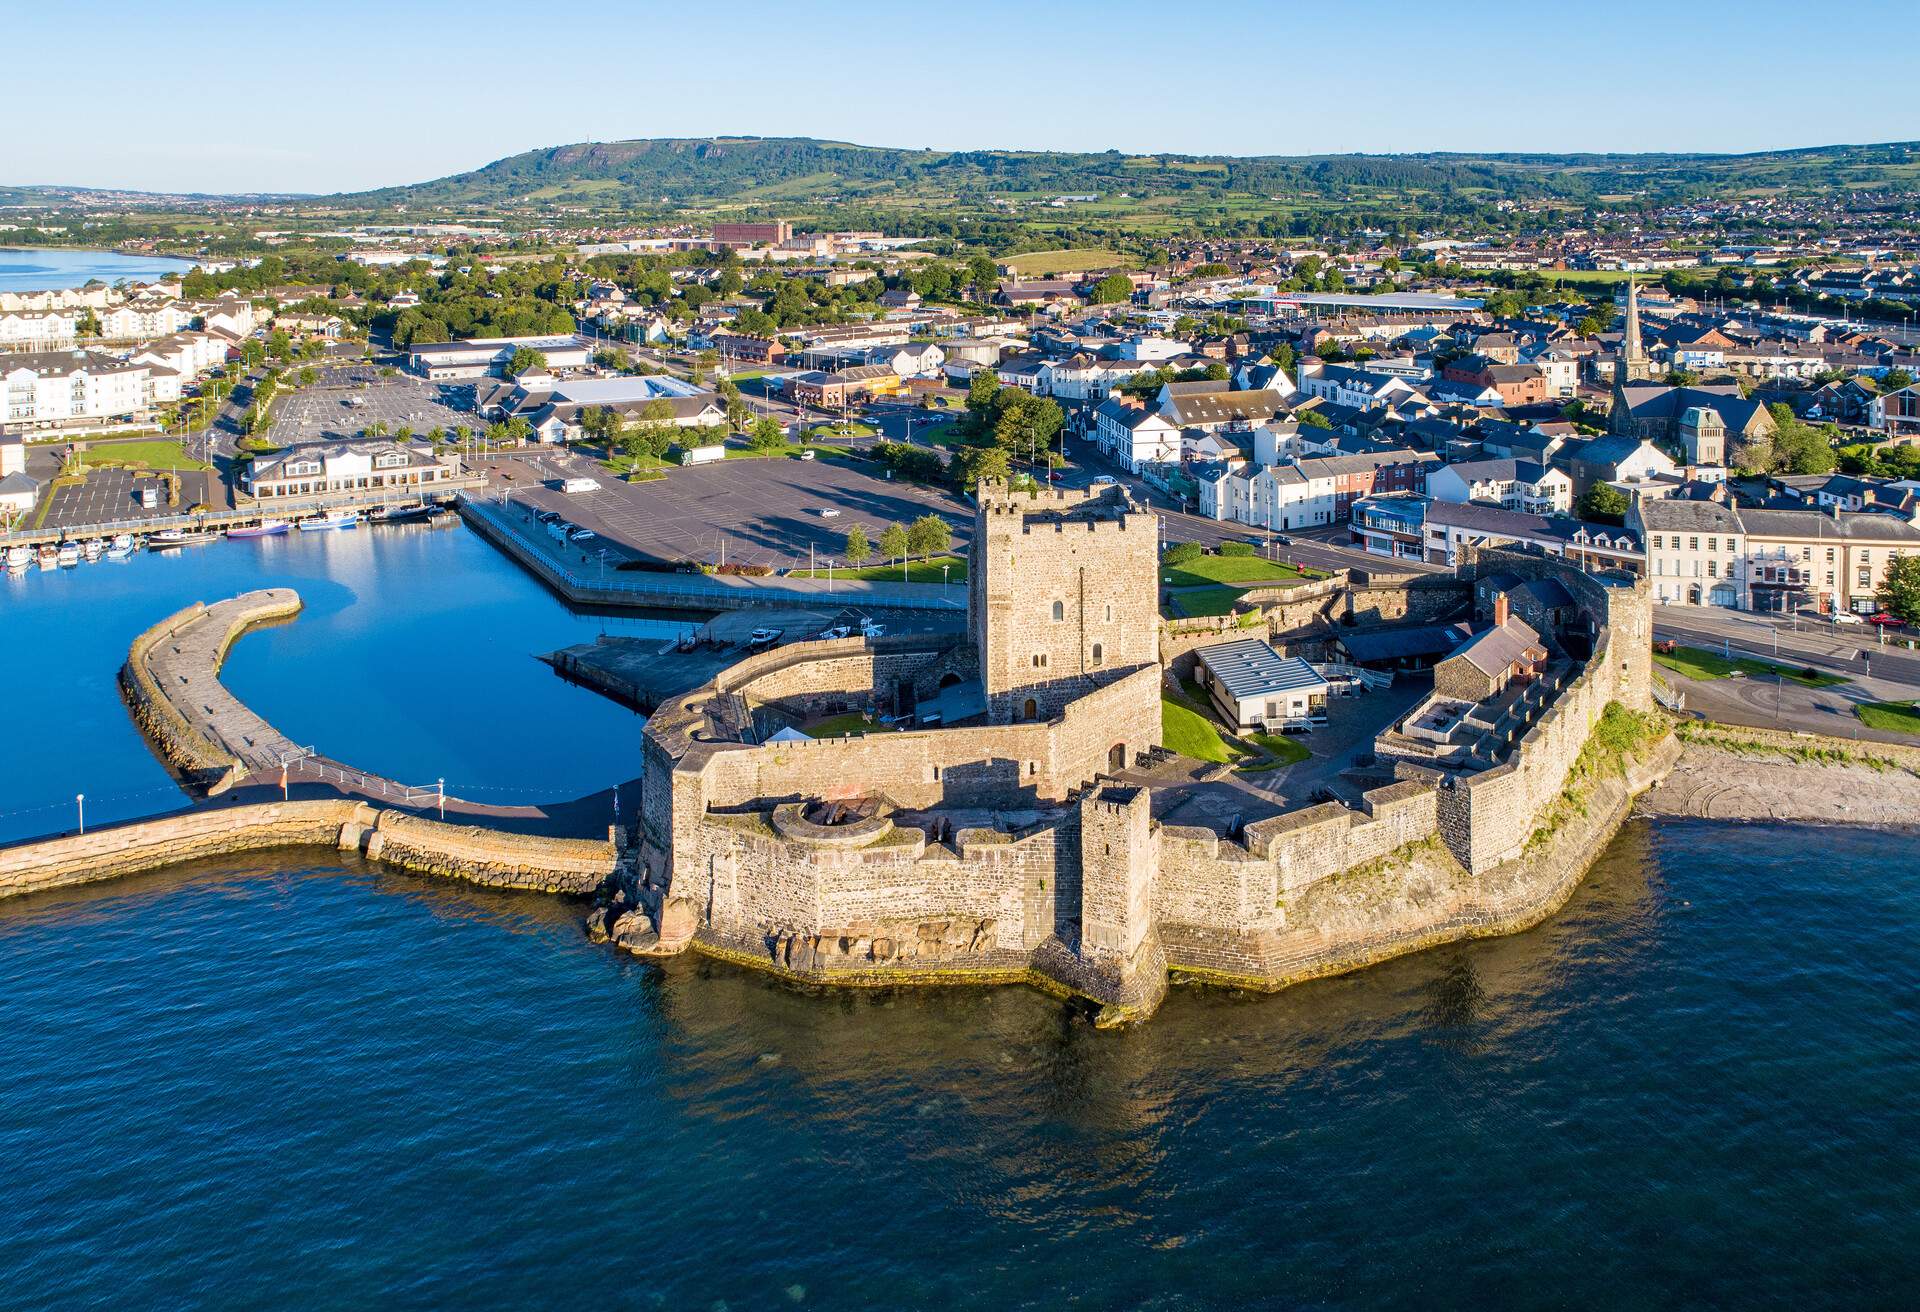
x: 121, y: 547
x: 333, y: 519
x: 92, y: 548
x: 69, y: 554
x: 48, y: 555
x: 18, y: 558
x: 266, y: 528
x: 180, y: 537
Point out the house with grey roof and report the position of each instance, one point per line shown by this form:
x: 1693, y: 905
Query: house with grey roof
x: 1254, y: 687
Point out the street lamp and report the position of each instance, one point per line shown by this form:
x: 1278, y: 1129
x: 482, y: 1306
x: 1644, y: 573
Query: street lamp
x: 80, y: 805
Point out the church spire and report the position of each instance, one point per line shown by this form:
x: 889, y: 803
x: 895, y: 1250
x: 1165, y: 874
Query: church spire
x: 1632, y: 364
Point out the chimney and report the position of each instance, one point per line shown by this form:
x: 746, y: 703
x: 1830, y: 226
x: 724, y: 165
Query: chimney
x: 1500, y: 610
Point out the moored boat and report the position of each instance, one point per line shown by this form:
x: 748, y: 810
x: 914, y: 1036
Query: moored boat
x: 48, y: 555
x: 68, y: 554
x: 333, y: 519
x: 180, y: 537
x: 92, y: 548
x: 121, y: 547
x: 18, y: 558
x: 400, y: 515
x: 266, y: 528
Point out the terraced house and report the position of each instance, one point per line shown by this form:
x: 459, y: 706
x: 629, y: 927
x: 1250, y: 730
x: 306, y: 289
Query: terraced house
x: 1700, y: 553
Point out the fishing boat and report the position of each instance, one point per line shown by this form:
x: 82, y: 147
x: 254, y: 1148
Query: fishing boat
x: 400, y: 515
x: 92, y: 548
x: 18, y: 558
x: 121, y: 547
x: 48, y: 555
x: 266, y: 528
x: 333, y: 519
x: 69, y: 553
x: 168, y: 538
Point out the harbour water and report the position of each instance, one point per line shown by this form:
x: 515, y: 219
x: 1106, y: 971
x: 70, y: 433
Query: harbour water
x: 303, y: 1080
x: 413, y: 659
x: 44, y: 268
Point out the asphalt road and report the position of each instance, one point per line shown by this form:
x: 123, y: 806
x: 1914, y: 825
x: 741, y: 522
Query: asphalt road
x: 1852, y: 650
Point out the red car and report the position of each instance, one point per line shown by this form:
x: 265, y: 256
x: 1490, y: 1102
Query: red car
x: 1883, y: 618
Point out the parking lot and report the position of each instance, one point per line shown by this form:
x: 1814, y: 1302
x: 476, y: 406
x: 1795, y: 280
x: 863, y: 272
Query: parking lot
x: 108, y: 497
x: 759, y: 512
x: 323, y: 413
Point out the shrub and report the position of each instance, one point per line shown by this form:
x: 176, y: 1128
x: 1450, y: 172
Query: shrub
x: 1236, y: 548
x: 1180, y: 553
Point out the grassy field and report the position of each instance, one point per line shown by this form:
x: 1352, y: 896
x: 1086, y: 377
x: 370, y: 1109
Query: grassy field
x: 1041, y: 264
x: 851, y: 725
x: 782, y: 452
x: 847, y: 428
x: 1895, y: 717
x: 1205, y: 601
x: 158, y: 453
x: 1190, y: 733
x: 1699, y: 663
x: 1228, y: 569
x: 1286, y: 750
x: 917, y: 571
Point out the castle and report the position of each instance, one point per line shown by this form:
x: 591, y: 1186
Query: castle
x: 1018, y: 831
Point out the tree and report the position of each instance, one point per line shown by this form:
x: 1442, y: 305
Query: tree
x: 929, y: 536
x: 1900, y: 590
x: 526, y: 360
x: 1313, y: 419
x: 858, y: 550
x: 1602, y: 503
x: 1589, y: 326
x: 894, y: 543
x: 1110, y: 290
x: 89, y: 325
x: 974, y: 465
x: 1895, y: 379
x: 765, y: 434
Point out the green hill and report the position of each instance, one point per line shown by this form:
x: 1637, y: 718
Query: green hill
x: 683, y: 173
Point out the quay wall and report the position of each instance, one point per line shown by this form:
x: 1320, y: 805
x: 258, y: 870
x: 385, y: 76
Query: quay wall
x: 193, y: 754
x: 482, y: 856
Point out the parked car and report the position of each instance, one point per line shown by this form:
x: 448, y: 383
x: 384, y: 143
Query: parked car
x: 828, y: 512
x: 1846, y: 617
x: 1885, y: 620
x: 582, y: 535
x: 806, y: 455
x: 1101, y: 480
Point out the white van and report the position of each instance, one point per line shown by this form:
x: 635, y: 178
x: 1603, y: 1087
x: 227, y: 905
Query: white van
x: 579, y: 485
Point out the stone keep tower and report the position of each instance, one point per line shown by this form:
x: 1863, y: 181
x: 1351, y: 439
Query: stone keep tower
x: 1063, y: 595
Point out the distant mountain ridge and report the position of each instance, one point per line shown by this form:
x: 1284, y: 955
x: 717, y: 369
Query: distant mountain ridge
x: 797, y: 170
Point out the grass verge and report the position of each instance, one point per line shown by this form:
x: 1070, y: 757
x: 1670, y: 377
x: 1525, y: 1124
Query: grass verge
x: 1189, y: 733
x: 1894, y: 717
x: 916, y: 571
x: 1699, y: 663
x: 851, y: 725
x: 154, y: 454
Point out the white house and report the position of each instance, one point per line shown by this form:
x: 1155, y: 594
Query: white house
x: 1511, y: 484
x: 326, y: 467
x: 1252, y: 686
x: 1134, y: 437
x: 71, y: 388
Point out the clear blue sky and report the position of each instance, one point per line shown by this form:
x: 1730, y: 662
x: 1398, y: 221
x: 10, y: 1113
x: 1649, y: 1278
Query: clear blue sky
x: 224, y: 96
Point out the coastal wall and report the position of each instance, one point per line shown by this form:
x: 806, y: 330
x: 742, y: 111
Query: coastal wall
x: 482, y: 856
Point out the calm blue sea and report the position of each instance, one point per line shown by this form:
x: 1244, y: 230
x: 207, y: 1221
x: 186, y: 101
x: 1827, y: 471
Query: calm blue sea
x: 300, y: 1081
x: 307, y: 1084
x: 34, y: 269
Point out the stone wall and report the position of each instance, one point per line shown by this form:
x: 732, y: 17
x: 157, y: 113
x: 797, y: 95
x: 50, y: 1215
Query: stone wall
x: 151, y: 844
x: 483, y: 856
